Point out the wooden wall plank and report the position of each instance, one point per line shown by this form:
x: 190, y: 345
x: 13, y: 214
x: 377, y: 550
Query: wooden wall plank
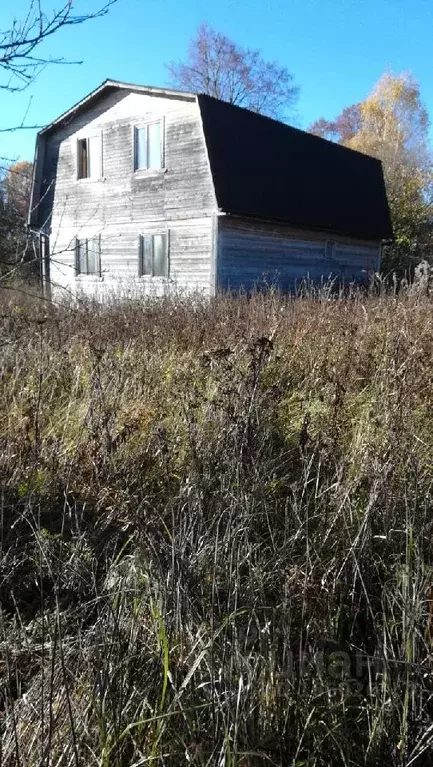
x: 253, y: 254
x: 123, y: 204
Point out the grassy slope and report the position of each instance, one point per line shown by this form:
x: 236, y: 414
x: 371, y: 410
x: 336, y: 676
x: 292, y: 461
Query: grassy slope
x: 217, y: 533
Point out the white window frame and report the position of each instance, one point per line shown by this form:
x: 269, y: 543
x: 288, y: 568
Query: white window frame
x: 145, y: 125
x: 151, y: 276
x: 98, y: 175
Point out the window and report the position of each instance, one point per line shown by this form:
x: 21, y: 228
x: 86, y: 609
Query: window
x: 153, y: 255
x: 148, y: 147
x: 330, y: 249
x: 88, y: 256
x: 89, y: 157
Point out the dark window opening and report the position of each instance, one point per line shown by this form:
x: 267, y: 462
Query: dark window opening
x: 89, y: 157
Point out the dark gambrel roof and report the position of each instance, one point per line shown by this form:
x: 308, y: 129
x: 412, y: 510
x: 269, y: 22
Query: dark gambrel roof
x: 265, y: 169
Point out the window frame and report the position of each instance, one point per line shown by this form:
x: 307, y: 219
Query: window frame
x: 145, y: 125
x: 142, y: 275
x: 97, y: 275
x: 99, y: 171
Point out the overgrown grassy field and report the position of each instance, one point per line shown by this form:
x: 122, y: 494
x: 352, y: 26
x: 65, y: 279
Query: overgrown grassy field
x: 216, y: 532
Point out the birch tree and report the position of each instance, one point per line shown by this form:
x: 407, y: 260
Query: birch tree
x: 392, y: 124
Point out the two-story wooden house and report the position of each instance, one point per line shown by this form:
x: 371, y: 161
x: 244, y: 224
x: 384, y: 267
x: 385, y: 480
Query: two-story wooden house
x: 144, y: 189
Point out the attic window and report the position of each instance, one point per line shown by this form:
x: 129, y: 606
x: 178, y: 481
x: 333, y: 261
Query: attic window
x: 89, y: 157
x: 148, y: 146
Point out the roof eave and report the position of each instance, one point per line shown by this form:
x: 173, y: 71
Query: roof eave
x: 385, y: 239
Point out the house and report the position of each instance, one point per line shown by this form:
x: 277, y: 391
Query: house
x: 151, y: 189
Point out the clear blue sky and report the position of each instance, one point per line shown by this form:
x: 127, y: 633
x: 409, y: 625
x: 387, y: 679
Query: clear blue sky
x: 336, y: 50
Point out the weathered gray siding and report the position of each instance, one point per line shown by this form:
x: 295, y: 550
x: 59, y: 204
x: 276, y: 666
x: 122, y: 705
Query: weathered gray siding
x: 123, y: 204
x: 190, y: 247
x: 253, y: 254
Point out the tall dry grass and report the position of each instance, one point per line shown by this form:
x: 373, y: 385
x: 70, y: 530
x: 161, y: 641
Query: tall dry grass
x: 216, y: 532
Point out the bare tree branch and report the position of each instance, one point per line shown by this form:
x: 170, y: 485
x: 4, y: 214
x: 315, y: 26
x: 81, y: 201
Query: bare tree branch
x: 18, y: 61
x: 221, y: 68
x: 21, y: 61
